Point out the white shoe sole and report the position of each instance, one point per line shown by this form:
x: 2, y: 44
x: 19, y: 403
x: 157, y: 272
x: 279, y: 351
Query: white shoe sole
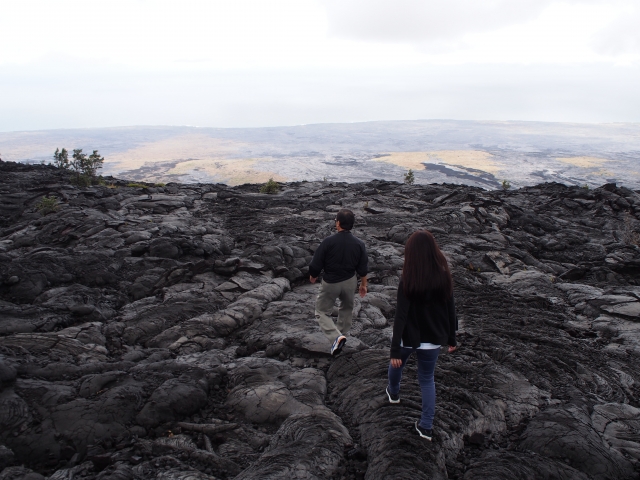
x: 422, y: 434
x: 339, y: 345
x: 389, y: 396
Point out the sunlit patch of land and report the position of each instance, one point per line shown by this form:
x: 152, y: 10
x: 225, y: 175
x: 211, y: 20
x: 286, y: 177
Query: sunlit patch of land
x: 584, y: 162
x: 229, y: 171
x: 215, y: 159
x: 475, y: 159
x: 192, y: 146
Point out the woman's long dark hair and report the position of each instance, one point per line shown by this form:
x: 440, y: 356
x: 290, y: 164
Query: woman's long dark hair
x: 426, y: 272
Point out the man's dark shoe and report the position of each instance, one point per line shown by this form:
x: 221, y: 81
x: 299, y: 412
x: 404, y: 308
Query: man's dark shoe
x: 393, y: 398
x: 338, y: 343
x: 423, y: 432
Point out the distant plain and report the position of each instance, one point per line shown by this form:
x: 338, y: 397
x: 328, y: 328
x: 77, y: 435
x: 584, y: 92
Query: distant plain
x: 463, y: 152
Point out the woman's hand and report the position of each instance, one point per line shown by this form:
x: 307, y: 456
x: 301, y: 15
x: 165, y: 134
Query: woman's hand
x: 452, y: 349
x: 396, y: 363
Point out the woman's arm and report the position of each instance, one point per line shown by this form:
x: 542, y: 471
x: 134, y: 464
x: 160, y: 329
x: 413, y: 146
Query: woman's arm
x: 402, y: 311
x: 453, y: 322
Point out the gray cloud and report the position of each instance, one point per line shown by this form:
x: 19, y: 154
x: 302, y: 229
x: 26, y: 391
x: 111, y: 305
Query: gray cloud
x: 622, y: 36
x: 425, y: 20
x: 429, y: 20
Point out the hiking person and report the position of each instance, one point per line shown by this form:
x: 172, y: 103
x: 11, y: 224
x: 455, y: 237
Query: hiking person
x: 341, y: 255
x: 425, y: 319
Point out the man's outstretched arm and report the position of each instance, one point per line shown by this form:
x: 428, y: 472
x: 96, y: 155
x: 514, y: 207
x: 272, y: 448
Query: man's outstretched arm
x: 362, y: 269
x: 363, y: 286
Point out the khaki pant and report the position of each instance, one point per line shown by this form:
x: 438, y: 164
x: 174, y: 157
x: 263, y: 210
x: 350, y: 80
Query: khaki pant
x: 345, y: 291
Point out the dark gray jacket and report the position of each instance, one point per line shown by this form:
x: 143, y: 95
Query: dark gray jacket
x: 432, y: 320
x: 341, y: 255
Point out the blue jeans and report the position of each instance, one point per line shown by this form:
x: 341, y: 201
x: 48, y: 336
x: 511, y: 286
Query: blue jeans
x: 426, y: 365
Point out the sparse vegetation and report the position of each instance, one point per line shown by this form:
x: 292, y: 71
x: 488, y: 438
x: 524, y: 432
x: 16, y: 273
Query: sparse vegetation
x: 85, y: 167
x: 81, y: 181
x: 409, y: 178
x: 506, y: 185
x: 136, y: 185
x: 585, y: 186
x: 61, y: 158
x: 47, y: 205
x: 629, y: 235
x: 270, y: 187
x: 160, y: 184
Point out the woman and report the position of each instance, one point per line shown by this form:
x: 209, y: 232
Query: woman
x: 425, y: 320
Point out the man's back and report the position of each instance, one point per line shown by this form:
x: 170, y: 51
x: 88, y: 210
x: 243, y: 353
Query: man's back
x: 341, y: 255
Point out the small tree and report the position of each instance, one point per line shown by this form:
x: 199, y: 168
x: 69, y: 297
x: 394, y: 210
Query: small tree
x: 61, y: 158
x: 409, y: 178
x: 506, y: 185
x: 93, y: 164
x: 78, y: 160
x: 270, y: 187
x: 85, y: 167
x: 78, y: 163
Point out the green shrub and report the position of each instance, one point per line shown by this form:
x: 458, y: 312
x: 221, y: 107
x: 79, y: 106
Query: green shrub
x: 81, y: 181
x: 506, y: 185
x: 47, y: 205
x: 270, y: 187
x: 409, y: 178
x: 87, y: 166
x: 136, y: 185
x: 160, y: 184
x: 81, y: 164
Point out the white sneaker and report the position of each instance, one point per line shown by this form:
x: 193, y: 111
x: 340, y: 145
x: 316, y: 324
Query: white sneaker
x: 393, y: 398
x: 338, y: 343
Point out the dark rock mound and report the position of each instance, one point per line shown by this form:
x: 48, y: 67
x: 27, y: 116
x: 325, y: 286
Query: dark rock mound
x: 169, y: 333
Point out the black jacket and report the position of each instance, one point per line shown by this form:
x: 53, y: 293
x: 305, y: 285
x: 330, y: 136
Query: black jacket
x: 429, y: 321
x: 341, y: 255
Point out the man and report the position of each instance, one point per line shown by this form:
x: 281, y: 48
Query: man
x: 341, y: 255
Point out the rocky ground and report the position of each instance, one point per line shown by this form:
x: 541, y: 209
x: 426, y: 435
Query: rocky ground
x: 168, y: 333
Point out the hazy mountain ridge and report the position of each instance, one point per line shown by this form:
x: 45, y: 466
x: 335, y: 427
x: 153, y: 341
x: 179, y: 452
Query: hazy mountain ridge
x: 524, y: 153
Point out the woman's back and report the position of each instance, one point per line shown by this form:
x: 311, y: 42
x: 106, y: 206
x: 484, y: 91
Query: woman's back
x: 425, y: 320
x: 430, y: 319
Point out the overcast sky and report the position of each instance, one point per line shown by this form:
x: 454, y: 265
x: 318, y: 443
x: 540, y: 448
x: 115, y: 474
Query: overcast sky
x: 249, y: 63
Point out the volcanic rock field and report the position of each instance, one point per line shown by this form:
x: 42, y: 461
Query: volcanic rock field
x: 168, y: 332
